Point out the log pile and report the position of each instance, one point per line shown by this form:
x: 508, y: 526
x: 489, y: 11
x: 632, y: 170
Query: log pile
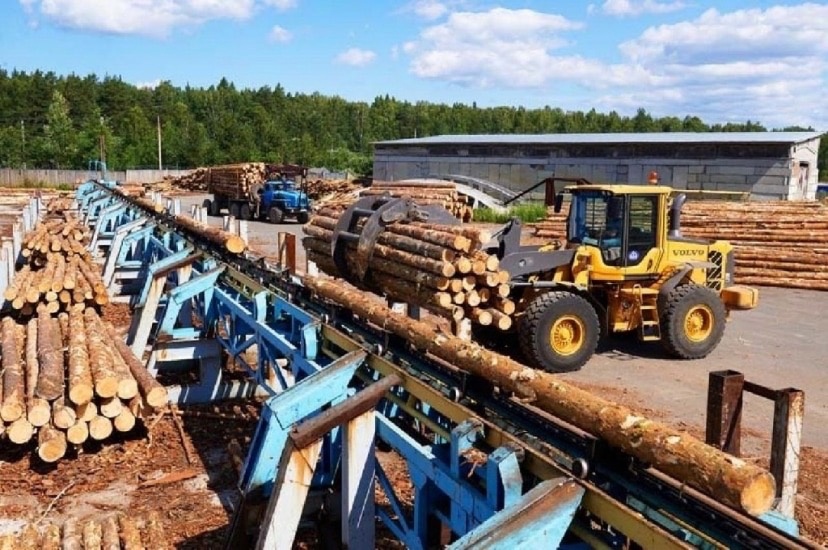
x: 332, y: 192
x: 777, y: 243
x: 236, y: 180
x: 441, y: 193
x: 193, y: 181
x: 726, y: 478
x: 70, y: 378
x: 110, y: 532
x: 438, y: 267
x: 59, y: 270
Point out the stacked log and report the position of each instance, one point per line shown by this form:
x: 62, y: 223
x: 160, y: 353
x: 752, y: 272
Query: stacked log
x: 109, y: 532
x: 70, y: 379
x: 426, y: 192
x: 438, y: 267
x: 192, y: 181
x: 59, y: 270
x: 236, y: 180
x: 776, y: 243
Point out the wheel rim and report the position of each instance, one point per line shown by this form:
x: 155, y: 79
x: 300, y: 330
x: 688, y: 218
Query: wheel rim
x: 567, y: 335
x: 698, y: 323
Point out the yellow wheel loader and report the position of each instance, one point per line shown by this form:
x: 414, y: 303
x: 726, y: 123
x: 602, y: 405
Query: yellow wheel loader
x: 625, y: 266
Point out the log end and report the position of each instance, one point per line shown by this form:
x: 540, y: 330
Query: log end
x: 758, y: 495
x: 80, y: 394
x: 235, y: 244
x: 78, y: 433
x: 100, y: 428
x: 11, y: 410
x: 157, y: 397
x: 20, y: 431
x: 127, y: 388
x: 107, y: 387
x: 39, y: 413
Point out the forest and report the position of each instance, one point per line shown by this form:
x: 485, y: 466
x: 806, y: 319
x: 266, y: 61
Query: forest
x: 54, y: 121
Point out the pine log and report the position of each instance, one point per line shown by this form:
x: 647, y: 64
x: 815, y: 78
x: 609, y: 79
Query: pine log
x: 726, y: 478
x: 29, y: 538
x: 111, y: 407
x: 125, y: 420
x: 50, y: 540
x: 8, y: 542
x: 100, y: 428
x: 71, y: 276
x: 109, y: 538
x: 153, y: 392
x: 72, y: 535
x: 14, y: 385
x: 38, y: 411
x: 100, y: 359
x: 86, y: 412
x: 20, y: 431
x: 51, y: 446
x: 130, y: 536
x: 232, y: 243
x: 50, y: 358
x: 78, y: 432
x: 127, y: 386
x: 92, y: 535
x: 48, y: 275
x: 63, y: 416
x: 500, y: 319
x: 81, y: 386
x: 18, y: 284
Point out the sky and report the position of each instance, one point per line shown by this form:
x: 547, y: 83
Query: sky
x: 765, y: 61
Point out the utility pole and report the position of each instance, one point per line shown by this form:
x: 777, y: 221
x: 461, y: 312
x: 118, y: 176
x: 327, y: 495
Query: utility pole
x: 158, y: 124
x: 103, y: 142
x: 23, y: 143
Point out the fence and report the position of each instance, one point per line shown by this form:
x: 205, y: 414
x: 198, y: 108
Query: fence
x: 11, y: 177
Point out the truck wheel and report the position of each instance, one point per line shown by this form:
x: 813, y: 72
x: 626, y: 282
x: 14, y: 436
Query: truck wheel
x: 302, y: 217
x: 244, y: 212
x: 275, y: 215
x: 693, y: 322
x: 215, y: 208
x: 208, y: 206
x: 559, y: 331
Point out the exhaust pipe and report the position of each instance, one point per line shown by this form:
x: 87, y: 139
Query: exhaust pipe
x: 675, y: 216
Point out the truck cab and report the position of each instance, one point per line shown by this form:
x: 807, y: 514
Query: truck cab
x: 281, y: 197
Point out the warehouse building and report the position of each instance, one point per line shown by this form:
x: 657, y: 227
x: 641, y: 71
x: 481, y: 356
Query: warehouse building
x: 768, y: 165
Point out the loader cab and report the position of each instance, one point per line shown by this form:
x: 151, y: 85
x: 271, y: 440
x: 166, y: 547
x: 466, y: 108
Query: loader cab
x: 625, y: 223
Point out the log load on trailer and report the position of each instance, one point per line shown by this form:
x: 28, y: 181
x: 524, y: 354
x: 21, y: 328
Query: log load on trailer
x: 274, y: 192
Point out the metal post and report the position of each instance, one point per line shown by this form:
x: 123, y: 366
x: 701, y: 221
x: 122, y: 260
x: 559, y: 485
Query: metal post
x: 11, y: 258
x: 4, y: 272
x: 241, y: 229
x: 724, y: 411
x: 788, y: 411
x: 286, y: 243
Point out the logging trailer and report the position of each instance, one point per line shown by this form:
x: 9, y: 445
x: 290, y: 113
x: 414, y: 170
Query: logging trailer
x: 490, y: 465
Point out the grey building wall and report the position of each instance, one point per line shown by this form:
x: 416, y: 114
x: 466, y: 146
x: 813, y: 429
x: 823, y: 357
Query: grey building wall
x: 767, y: 171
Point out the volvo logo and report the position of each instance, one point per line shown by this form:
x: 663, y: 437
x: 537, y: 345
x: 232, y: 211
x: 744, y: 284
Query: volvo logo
x: 687, y: 252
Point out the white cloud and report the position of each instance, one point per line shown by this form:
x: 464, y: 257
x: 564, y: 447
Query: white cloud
x: 356, y: 57
x: 281, y: 5
x: 155, y: 18
x: 280, y: 34
x: 638, y: 7
x: 149, y: 85
x: 429, y: 9
x: 768, y: 65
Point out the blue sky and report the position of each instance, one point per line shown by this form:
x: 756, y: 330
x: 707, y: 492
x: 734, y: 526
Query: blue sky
x: 723, y: 61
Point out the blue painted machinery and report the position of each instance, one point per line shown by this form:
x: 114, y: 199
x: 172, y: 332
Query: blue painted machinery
x: 485, y: 470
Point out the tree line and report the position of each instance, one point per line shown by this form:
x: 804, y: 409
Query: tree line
x: 55, y: 121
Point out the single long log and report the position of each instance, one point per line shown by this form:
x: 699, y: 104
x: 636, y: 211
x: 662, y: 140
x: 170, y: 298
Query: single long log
x: 92, y: 535
x: 72, y: 535
x: 14, y: 385
x: 51, y: 445
x: 726, y: 478
x: 130, y: 536
x: 38, y: 411
x: 154, y: 533
x: 50, y: 358
x: 153, y: 392
x: 81, y: 387
x: 110, y: 539
x: 100, y: 360
x: 51, y: 538
x: 232, y: 243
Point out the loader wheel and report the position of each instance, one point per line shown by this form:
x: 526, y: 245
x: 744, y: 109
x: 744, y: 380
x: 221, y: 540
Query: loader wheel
x: 302, y: 217
x: 244, y: 212
x: 275, y: 215
x: 559, y: 331
x: 234, y: 210
x: 693, y: 322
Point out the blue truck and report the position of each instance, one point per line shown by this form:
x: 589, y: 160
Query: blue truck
x: 280, y: 197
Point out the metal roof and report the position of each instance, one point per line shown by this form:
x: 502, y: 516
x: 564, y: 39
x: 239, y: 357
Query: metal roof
x: 659, y: 137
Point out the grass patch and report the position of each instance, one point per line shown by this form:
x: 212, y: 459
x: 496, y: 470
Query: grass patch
x: 528, y: 212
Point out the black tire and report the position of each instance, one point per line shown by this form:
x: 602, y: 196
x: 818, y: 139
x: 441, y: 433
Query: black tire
x: 234, y: 210
x: 693, y: 322
x: 574, y: 320
x: 302, y: 217
x: 208, y: 206
x: 244, y: 212
x: 275, y: 215
x: 215, y: 208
